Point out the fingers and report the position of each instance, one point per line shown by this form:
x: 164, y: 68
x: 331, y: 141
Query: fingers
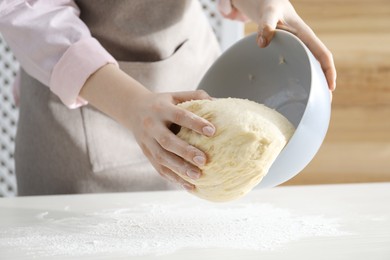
x: 187, y: 119
x: 171, y: 176
x: 172, y: 166
x: 322, y: 54
x: 180, y: 97
x: 170, y: 155
x: 174, y: 178
x: 318, y: 48
x: 267, y: 25
x: 175, y: 145
x: 160, y: 156
x: 329, y: 69
x: 191, y: 121
x: 283, y: 16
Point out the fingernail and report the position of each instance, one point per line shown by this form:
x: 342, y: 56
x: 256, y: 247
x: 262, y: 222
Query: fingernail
x: 208, y: 130
x: 193, y: 174
x: 188, y: 187
x: 199, y: 160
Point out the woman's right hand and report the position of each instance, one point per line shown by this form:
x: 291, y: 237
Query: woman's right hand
x: 149, y: 116
x: 152, y: 116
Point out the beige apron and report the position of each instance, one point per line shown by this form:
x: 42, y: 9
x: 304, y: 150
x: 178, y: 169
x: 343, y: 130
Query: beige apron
x: 167, y: 45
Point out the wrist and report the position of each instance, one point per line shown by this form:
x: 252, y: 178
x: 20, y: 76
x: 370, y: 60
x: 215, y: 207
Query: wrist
x: 113, y: 92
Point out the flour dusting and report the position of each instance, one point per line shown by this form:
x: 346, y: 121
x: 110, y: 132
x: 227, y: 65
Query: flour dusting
x: 165, y: 228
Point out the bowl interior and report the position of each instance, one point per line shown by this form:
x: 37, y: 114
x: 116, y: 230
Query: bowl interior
x: 278, y: 76
x: 284, y: 76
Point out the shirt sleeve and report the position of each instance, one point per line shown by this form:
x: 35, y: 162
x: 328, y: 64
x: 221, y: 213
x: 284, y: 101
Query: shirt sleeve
x: 53, y: 45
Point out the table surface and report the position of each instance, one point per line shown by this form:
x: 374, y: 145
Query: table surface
x: 350, y: 221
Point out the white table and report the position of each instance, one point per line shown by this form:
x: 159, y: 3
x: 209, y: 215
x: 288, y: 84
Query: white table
x: 357, y: 215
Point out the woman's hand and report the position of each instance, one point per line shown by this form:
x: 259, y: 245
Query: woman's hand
x: 149, y: 116
x: 170, y: 156
x: 271, y: 14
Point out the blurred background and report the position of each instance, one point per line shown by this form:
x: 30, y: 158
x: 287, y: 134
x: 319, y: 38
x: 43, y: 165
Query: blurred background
x: 357, y: 146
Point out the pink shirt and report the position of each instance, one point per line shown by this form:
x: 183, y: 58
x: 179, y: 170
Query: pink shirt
x: 54, y: 46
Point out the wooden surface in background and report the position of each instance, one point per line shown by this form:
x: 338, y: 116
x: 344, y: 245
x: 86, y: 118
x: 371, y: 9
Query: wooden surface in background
x: 357, y: 146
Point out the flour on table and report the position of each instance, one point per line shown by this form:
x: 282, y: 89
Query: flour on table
x: 165, y: 228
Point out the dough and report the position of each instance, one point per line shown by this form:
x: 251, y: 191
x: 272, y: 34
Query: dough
x: 249, y: 136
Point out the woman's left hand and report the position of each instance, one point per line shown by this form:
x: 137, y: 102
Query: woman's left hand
x: 272, y: 14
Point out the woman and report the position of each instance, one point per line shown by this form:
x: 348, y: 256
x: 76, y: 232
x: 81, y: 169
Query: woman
x: 100, y: 81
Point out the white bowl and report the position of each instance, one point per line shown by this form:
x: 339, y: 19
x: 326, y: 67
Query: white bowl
x: 284, y: 76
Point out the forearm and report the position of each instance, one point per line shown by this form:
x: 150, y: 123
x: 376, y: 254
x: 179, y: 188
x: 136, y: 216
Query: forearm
x: 113, y: 92
x: 148, y: 116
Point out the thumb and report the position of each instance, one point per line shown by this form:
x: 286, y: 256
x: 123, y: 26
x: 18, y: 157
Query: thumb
x: 266, y: 26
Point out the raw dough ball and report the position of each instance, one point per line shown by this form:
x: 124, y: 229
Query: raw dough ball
x: 249, y: 136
